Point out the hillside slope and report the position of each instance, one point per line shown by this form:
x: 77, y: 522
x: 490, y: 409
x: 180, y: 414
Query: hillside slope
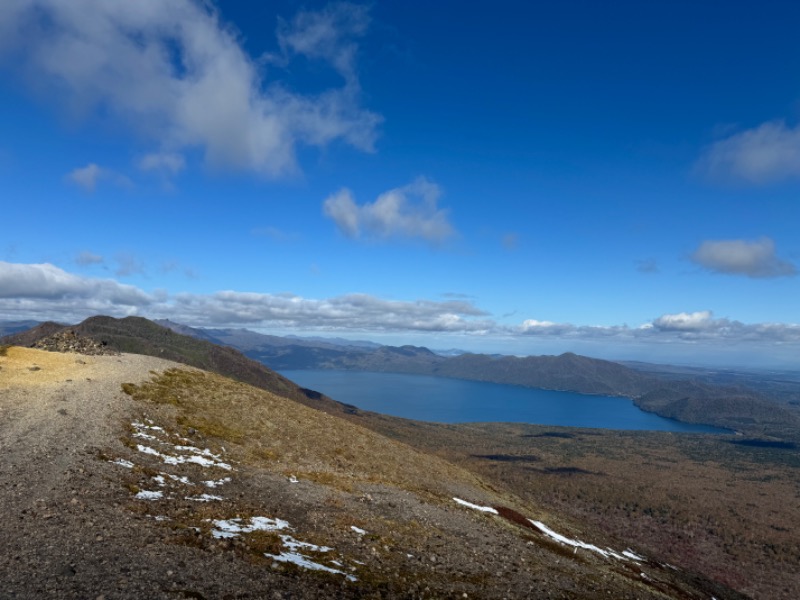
x: 190, y: 485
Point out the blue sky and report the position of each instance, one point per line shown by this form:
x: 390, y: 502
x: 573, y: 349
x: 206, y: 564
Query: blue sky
x: 616, y: 179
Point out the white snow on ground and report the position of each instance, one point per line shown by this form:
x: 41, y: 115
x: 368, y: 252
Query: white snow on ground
x: 151, y: 427
x: 123, y: 463
x: 204, y: 498
x: 295, y: 545
x: 307, y: 563
x: 607, y: 553
x: 217, y: 483
x: 183, y: 480
x: 180, y: 459
x: 487, y: 509
x: 232, y: 527
x: 148, y: 495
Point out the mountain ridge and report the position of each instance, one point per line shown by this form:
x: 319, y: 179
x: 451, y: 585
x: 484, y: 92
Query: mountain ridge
x: 693, y: 401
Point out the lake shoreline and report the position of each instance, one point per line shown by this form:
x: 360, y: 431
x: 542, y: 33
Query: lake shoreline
x: 463, y: 401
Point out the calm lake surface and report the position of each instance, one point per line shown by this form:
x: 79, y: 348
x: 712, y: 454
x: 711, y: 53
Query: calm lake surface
x: 443, y: 400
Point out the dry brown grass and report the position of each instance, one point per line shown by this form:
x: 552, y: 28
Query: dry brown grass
x: 269, y: 431
x: 28, y: 367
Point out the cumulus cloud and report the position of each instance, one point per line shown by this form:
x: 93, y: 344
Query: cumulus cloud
x: 408, y: 211
x: 351, y: 311
x: 179, y: 77
x: 741, y: 257
x: 44, y: 289
x: 684, y: 321
x: 767, y: 153
x: 702, y: 325
x: 47, y: 292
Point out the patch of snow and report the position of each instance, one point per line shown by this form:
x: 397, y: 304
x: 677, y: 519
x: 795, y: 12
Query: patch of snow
x: 179, y: 460
x: 183, y: 480
x: 204, y: 498
x: 123, y: 463
x: 151, y: 427
x: 217, y: 483
x: 307, y: 563
x: 294, y: 544
x: 487, y: 509
x: 632, y: 555
x: 358, y: 530
x: 148, y: 495
x: 608, y: 553
x: 147, y: 450
x: 159, y: 479
x: 233, y: 527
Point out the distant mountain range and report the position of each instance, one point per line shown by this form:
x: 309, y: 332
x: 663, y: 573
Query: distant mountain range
x: 670, y: 392
x: 226, y: 351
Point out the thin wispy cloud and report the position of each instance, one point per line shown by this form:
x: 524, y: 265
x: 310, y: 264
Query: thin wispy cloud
x: 754, y: 258
x: 648, y: 265
x: 87, y: 258
x: 764, y: 154
x: 178, y: 77
x: 410, y: 211
x: 128, y: 264
x: 91, y: 175
x: 168, y: 163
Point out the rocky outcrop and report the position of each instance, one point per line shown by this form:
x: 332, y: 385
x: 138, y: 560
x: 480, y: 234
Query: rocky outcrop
x: 69, y: 341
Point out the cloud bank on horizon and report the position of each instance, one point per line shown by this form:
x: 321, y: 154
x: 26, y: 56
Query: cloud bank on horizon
x: 43, y: 291
x: 161, y: 158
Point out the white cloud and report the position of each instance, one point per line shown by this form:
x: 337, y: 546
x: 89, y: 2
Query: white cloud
x: 180, y: 78
x: 48, y: 287
x: 767, y: 153
x: 44, y: 291
x: 86, y: 177
x: 409, y: 211
x: 89, y: 176
x: 684, y: 321
x: 327, y: 35
x: 741, y: 257
x: 164, y: 162
x: 352, y: 311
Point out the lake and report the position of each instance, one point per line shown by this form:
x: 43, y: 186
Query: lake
x: 443, y: 400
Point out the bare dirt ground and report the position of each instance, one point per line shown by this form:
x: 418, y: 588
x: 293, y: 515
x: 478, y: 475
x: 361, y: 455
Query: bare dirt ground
x: 107, y: 495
